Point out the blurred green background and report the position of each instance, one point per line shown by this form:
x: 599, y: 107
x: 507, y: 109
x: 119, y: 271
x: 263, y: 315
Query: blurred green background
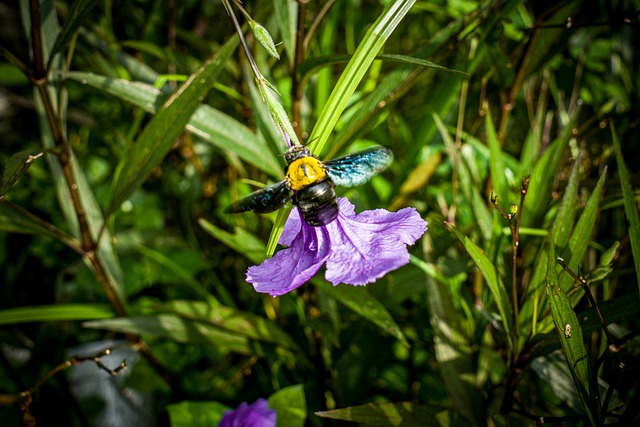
x: 113, y: 234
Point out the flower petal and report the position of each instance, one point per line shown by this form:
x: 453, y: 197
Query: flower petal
x: 291, y: 228
x: 291, y: 267
x: 366, y: 246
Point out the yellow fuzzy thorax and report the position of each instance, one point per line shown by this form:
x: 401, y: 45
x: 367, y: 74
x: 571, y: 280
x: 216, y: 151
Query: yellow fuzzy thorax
x: 305, y: 171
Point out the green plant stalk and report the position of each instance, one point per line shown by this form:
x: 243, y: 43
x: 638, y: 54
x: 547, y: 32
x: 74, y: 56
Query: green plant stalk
x: 88, y: 245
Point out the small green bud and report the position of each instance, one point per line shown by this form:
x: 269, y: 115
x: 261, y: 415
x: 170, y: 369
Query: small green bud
x: 264, y: 38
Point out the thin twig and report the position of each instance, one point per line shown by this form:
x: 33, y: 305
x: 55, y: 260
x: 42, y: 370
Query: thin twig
x: 26, y: 397
x: 583, y: 283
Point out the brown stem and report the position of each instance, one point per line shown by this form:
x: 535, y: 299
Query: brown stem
x: 36, y: 40
x: 88, y: 245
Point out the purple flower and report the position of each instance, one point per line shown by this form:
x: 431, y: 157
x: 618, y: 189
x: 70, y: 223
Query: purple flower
x: 257, y: 414
x: 357, y: 248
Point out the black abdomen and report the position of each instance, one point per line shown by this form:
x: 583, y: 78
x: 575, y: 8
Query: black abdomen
x: 318, y: 203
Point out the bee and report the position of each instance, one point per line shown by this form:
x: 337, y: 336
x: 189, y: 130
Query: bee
x: 313, y: 182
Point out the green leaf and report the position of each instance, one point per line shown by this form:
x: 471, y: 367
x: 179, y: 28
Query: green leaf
x: 566, y: 213
x: 189, y: 413
x: 353, y: 74
x: 55, y: 313
x: 210, y: 124
x: 276, y: 231
x: 362, y: 302
x: 286, y: 15
x: 309, y: 65
x: 78, y: 12
x: 15, y: 168
x: 490, y: 275
x: 457, y: 364
x: 177, y: 329
x: 242, y: 241
x: 630, y: 205
x: 14, y: 219
x: 496, y: 161
x: 570, y: 334
x: 105, y: 253
x: 290, y: 405
x: 581, y: 235
x: 467, y: 184
x: 233, y: 320
x: 402, y: 414
x: 159, y: 135
x: 544, y: 175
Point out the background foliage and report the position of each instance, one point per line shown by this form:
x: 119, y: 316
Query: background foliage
x: 127, y: 127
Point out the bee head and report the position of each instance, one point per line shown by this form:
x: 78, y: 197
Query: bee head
x: 296, y: 152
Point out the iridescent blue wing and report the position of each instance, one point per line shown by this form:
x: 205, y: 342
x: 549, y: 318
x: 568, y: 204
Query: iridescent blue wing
x: 358, y: 168
x: 266, y: 200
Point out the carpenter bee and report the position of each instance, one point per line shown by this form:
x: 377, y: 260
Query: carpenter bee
x: 313, y: 182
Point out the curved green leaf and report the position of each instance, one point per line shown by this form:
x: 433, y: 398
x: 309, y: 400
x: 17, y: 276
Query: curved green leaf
x: 570, y: 334
x: 53, y: 313
x: 630, y: 205
x: 159, y: 135
x: 210, y: 124
x: 78, y: 12
x: 490, y: 275
x: 356, y: 69
x: 402, y: 414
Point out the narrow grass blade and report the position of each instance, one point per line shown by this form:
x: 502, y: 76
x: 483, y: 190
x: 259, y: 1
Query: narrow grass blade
x: 630, y: 204
x: 242, y: 241
x: 566, y: 213
x: 581, y: 234
x: 314, y: 63
x: 14, y: 219
x: 490, y: 275
x: 401, y: 414
x: 55, y: 313
x: 286, y: 14
x: 160, y: 134
x: 570, y: 334
x: 276, y: 231
x: 496, y: 161
x: 544, y: 175
x: 468, y: 186
x: 233, y: 320
x: 356, y: 69
x: 77, y: 14
x: 180, y: 329
x: 456, y: 362
x: 105, y: 252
